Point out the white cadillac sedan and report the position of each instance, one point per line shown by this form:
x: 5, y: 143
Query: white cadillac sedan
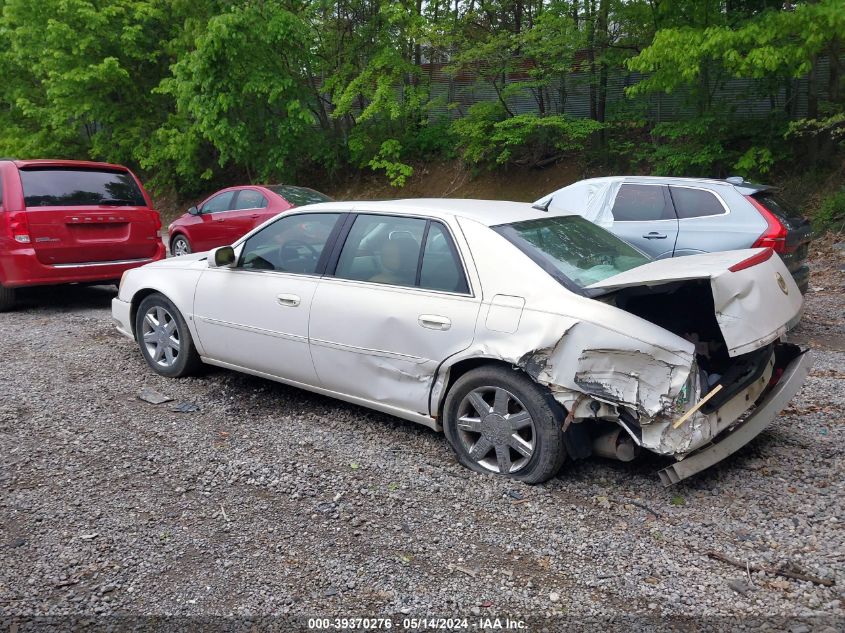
x: 527, y: 336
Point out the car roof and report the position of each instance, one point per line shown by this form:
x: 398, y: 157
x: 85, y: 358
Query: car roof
x: 50, y: 162
x: 678, y: 180
x: 487, y: 212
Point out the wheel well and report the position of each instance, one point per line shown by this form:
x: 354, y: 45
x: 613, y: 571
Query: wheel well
x: 178, y: 234
x: 136, y: 301
x: 462, y: 367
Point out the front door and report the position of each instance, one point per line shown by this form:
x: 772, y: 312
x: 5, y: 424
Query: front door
x: 397, y: 305
x: 255, y: 315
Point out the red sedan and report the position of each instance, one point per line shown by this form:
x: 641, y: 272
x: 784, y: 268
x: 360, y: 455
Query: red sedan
x: 230, y: 213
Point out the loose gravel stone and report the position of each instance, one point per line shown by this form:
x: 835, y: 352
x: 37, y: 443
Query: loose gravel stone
x: 268, y: 500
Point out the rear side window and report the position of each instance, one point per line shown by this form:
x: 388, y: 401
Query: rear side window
x: 441, y: 268
x: 383, y: 249
x: 250, y: 199
x: 299, y: 196
x: 641, y: 203
x: 48, y: 187
x: 401, y: 251
x: 695, y: 203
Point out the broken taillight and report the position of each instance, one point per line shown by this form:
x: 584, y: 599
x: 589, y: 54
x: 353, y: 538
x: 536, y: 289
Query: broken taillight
x: 755, y: 259
x: 774, y: 236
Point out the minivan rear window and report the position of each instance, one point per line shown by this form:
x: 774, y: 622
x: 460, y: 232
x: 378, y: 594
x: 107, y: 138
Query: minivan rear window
x: 51, y: 187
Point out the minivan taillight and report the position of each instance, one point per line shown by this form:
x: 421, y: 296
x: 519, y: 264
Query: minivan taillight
x: 774, y: 236
x: 18, y: 226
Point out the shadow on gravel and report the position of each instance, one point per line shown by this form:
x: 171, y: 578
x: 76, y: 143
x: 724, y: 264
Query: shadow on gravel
x: 66, y: 297
x: 643, y: 469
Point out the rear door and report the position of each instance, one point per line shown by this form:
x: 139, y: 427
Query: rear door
x: 397, y: 305
x: 643, y: 216
x: 79, y: 215
x: 249, y: 211
x: 705, y: 224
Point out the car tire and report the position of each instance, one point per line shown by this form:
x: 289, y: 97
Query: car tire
x: 7, y: 298
x: 520, y: 434
x: 180, y: 245
x: 164, y: 338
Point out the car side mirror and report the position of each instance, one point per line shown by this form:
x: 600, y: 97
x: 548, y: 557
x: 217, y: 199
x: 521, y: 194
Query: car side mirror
x: 221, y: 257
x: 194, y: 211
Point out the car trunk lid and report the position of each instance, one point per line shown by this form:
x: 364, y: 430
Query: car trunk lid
x: 85, y: 215
x: 755, y: 299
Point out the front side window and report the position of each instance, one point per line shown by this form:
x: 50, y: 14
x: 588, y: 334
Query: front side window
x: 640, y: 203
x: 293, y: 244
x: 572, y: 249
x: 250, y: 199
x: 49, y: 187
x: 695, y: 203
x: 220, y: 202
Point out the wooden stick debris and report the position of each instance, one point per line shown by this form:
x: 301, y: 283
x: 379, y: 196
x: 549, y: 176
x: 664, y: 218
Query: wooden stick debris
x: 778, y: 571
x: 700, y: 404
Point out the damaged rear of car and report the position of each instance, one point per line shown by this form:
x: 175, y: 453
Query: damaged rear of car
x: 682, y: 357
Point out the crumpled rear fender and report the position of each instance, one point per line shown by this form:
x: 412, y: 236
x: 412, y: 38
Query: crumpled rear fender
x: 573, y: 357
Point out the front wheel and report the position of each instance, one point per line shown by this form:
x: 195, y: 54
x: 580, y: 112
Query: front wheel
x: 500, y: 422
x: 7, y: 298
x: 180, y: 245
x: 164, y: 338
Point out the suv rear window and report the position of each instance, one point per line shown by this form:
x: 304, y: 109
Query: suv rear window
x: 50, y: 187
x: 789, y: 215
x: 573, y: 250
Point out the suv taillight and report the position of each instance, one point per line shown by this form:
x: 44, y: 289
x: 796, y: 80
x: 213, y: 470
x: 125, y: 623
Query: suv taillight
x: 774, y: 236
x: 18, y: 227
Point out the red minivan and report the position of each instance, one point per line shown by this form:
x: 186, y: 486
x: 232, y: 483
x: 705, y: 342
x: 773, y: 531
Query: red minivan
x: 64, y: 221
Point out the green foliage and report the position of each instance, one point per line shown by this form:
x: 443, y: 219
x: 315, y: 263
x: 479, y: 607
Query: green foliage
x: 755, y: 162
x: 688, y: 148
x: 387, y: 159
x: 201, y: 93
x: 831, y: 213
x: 257, y: 114
x: 475, y: 130
x: 532, y: 140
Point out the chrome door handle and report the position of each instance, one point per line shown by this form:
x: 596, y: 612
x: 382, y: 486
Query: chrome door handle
x: 434, y: 322
x: 654, y: 235
x: 290, y: 301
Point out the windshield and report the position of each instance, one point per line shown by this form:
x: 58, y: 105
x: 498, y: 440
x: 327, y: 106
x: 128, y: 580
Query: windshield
x: 70, y: 187
x: 299, y: 196
x: 573, y: 250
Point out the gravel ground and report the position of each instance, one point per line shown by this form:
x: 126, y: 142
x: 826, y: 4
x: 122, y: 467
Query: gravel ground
x: 273, y: 501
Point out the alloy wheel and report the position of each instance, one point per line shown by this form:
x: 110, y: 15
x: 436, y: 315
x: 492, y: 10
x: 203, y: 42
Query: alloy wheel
x: 496, y: 430
x: 160, y: 336
x: 180, y: 247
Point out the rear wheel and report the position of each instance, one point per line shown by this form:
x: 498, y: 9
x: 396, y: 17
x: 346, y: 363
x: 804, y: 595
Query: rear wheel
x: 7, y: 298
x: 180, y: 245
x: 500, y: 422
x: 164, y: 338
